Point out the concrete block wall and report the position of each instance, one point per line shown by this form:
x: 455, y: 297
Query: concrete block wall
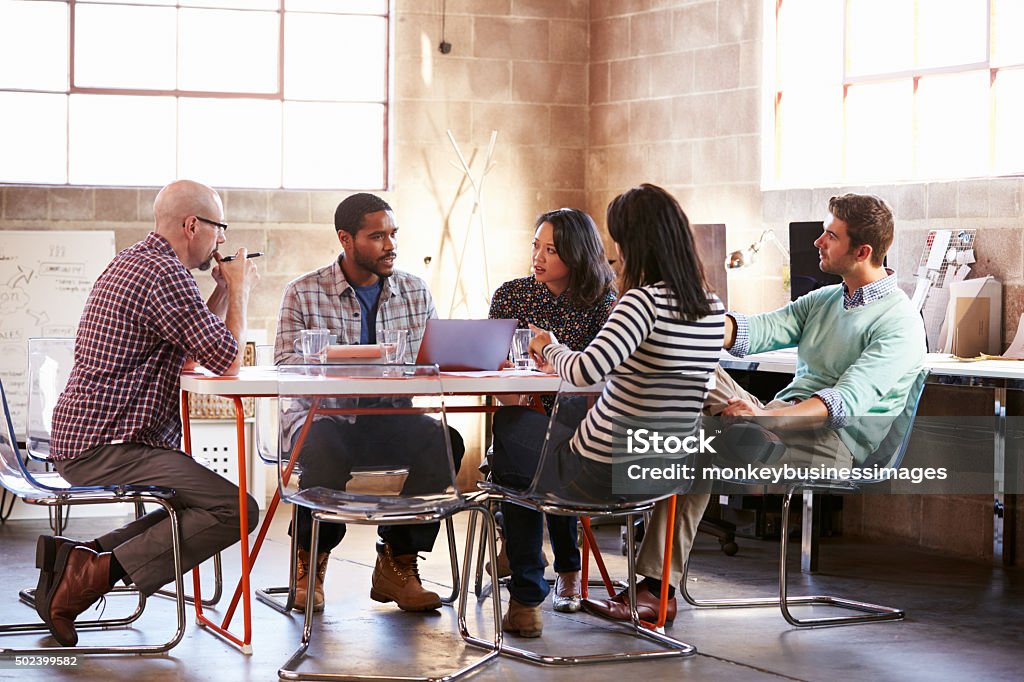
x: 674, y: 100
x: 589, y: 97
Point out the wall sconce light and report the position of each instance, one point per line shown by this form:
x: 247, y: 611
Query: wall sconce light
x: 748, y: 256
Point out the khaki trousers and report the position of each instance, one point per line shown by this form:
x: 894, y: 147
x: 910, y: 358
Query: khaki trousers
x: 803, y: 448
x: 206, y: 504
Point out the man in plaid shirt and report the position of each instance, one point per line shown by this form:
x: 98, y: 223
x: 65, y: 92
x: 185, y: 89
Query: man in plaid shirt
x: 357, y: 294
x: 117, y: 421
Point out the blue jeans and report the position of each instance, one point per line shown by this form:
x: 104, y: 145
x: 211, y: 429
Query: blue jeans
x: 518, y: 439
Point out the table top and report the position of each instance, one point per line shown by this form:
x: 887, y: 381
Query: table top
x: 268, y: 381
x: 944, y: 364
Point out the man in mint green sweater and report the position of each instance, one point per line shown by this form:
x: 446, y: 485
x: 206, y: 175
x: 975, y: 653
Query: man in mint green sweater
x: 860, y: 346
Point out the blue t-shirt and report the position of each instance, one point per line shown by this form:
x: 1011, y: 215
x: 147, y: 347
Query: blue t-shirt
x: 368, y: 297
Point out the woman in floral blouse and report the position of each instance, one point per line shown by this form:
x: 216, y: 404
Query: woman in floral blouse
x: 570, y: 294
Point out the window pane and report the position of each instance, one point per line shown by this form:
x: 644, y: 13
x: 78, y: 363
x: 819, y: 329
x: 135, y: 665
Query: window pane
x: 121, y: 140
x: 139, y: 55
x: 879, y: 36
x: 1009, y: 128
x: 1007, y: 20
x: 333, y: 146
x: 951, y: 32
x: 34, y: 35
x: 952, y: 125
x: 879, y: 123
x: 810, y: 42
x: 349, y: 6
x: 335, y: 57
x: 33, y: 137
x: 233, y: 4
x: 810, y: 135
x: 230, y: 142
x: 228, y: 51
x: 130, y: 2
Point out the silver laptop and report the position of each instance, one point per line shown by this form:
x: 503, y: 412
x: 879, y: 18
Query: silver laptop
x: 466, y: 345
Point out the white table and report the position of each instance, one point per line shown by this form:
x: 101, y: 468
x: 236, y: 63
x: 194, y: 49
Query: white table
x: 271, y: 382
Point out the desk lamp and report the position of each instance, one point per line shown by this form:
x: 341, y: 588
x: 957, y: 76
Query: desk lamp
x: 748, y: 256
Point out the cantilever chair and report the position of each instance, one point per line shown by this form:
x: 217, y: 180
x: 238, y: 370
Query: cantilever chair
x: 411, y: 482
x: 50, y: 360
x: 888, y: 455
x: 671, y: 404
x: 50, y: 490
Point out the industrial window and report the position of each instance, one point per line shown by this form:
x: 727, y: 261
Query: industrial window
x: 892, y: 90
x: 236, y: 93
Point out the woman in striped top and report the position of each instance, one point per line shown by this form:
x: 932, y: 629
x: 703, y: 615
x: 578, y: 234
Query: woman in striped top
x: 665, y: 322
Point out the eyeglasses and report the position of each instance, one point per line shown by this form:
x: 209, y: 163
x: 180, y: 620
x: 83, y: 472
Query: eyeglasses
x: 223, y: 226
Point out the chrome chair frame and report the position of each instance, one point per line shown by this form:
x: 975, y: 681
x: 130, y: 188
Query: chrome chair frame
x: 867, y: 612
x: 437, y: 507
x: 674, y: 648
x: 49, y: 489
x: 553, y: 503
x: 37, y: 446
x: 282, y: 598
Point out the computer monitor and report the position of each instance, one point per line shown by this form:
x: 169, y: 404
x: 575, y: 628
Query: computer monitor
x: 804, y: 274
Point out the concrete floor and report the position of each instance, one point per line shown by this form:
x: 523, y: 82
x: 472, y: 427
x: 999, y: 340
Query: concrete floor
x: 965, y: 621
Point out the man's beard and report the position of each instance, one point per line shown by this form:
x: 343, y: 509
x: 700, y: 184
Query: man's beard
x: 374, y: 265
x: 207, y: 264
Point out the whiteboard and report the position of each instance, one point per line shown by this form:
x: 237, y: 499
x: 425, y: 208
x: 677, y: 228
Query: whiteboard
x: 45, y: 277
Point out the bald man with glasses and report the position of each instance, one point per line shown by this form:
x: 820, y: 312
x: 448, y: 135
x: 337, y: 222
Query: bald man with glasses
x: 117, y: 421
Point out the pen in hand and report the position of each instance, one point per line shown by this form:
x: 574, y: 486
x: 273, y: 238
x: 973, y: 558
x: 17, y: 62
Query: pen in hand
x: 254, y: 254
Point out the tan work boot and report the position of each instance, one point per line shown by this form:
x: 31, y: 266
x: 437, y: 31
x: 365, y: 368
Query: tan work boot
x: 397, y: 579
x: 522, y: 620
x: 302, y: 580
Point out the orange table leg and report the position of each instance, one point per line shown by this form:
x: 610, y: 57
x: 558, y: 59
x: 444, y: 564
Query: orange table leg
x: 245, y: 642
x: 269, y: 518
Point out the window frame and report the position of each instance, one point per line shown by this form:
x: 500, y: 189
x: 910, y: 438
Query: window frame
x: 773, y: 149
x: 278, y: 95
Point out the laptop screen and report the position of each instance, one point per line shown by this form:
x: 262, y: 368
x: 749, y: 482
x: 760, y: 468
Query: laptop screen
x: 466, y: 345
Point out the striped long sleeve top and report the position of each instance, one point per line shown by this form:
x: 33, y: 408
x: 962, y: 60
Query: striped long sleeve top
x: 643, y: 334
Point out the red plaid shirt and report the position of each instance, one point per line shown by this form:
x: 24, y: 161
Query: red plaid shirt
x: 144, y: 316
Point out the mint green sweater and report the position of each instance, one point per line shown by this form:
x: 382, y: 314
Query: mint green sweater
x: 870, y: 355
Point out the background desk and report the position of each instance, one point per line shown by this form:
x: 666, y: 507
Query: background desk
x: 1005, y: 378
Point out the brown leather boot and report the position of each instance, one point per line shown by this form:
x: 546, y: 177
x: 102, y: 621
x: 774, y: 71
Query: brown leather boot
x: 397, y: 579
x: 522, y: 620
x: 81, y: 577
x: 302, y: 580
x: 47, y: 547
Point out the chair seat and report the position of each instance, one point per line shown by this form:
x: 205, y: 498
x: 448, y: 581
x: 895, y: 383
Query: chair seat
x: 368, y: 507
x: 558, y: 504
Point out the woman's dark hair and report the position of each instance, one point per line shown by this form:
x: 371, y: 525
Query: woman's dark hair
x: 657, y: 245
x: 580, y: 248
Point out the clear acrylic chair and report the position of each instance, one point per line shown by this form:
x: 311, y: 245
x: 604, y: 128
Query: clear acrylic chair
x: 668, y: 403
x: 887, y: 456
x: 50, y: 360
x: 392, y: 446
x: 50, y: 490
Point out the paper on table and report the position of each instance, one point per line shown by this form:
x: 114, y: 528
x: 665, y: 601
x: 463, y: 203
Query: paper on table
x: 1016, y: 349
